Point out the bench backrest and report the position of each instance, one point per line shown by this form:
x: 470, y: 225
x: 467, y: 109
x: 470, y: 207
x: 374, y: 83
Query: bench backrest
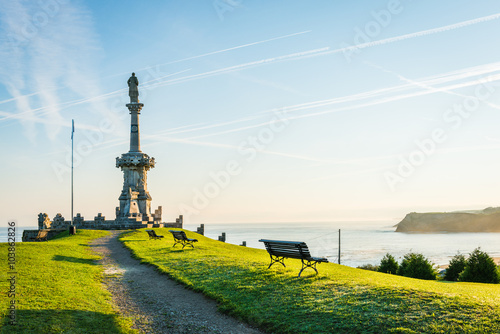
x: 293, y: 249
x: 151, y: 233
x: 180, y: 235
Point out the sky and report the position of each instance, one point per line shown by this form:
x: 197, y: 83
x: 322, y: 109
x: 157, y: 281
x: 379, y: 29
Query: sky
x: 255, y: 111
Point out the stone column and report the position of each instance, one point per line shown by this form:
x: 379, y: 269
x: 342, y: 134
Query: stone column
x: 135, y: 141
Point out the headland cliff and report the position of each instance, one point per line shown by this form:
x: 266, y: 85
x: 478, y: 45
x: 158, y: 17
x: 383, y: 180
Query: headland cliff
x: 487, y: 220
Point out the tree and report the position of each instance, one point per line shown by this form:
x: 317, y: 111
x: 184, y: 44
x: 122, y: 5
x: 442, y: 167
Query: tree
x: 417, y: 266
x: 388, y: 264
x: 457, y: 265
x: 480, y: 268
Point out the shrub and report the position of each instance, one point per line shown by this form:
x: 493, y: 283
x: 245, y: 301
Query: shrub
x: 457, y: 265
x: 480, y: 268
x: 388, y: 264
x: 417, y: 266
x: 368, y: 266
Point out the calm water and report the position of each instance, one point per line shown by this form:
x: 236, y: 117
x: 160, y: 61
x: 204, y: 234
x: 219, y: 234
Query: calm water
x: 19, y: 232
x: 361, y: 242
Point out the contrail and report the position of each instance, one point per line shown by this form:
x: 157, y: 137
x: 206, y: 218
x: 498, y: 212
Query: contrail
x: 62, y: 123
x: 291, y: 56
x: 327, y: 50
x: 431, y: 88
x: 160, y: 139
x: 18, y: 97
x: 68, y: 104
x: 492, y: 78
x: 224, y: 50
x: 418, y: 34
x: 236, y: 47
x: 324, y: 50
x: 204, y: 127
x: 427, y: 81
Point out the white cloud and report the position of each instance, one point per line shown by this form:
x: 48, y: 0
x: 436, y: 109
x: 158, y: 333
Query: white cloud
x: 50, y: 45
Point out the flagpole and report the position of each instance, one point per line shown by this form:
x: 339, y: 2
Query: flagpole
x: 72, y: 132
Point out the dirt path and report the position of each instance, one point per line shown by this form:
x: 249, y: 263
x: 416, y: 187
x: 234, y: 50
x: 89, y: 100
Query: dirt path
x: 156, y: 303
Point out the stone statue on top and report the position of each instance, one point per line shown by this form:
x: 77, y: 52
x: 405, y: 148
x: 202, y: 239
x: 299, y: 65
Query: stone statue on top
x: 133, y: 91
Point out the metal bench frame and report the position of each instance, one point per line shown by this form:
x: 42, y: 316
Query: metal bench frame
x: 180, y: 237
x: 279, y: 250
x: 152, y: 235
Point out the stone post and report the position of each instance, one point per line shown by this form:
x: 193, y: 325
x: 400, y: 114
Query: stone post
x: 201, y: 229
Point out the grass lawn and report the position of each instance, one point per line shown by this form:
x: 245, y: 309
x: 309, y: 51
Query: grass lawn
x: 338, y: 300
x: 58, y: 288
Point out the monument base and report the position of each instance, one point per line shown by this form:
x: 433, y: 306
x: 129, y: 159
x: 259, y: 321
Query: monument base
x: 58, y: 224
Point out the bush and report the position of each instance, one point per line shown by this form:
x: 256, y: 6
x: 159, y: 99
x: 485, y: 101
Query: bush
x: 388, y: 264
x: 457, y: 265
x: 368, y: 266
x: 480, y: 268
x: 417, y: 266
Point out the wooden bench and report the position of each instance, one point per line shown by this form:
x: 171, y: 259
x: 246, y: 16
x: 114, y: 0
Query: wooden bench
x: 180, y: 237
x: 279, y: 250
x: 42, y: 236
x: 153, y: 235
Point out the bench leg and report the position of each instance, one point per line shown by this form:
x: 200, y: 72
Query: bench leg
x: 186, y: 243
x: 308, y: 264
x: 276, y: 259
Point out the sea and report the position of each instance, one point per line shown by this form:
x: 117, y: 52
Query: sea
x: 361, y: 242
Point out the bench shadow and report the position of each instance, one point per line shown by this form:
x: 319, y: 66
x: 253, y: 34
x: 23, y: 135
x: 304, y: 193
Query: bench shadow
x: 177, y: 250
x: 73, y: 259
x: 61, y: 321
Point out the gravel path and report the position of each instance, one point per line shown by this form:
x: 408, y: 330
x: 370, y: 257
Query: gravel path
x: 156, y: 303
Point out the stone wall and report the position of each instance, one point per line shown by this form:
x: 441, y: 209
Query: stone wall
x: 30, y: 235
x: 100, y: 223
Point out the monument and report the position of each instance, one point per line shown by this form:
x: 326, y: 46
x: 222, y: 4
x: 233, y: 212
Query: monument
x: 135, y: 201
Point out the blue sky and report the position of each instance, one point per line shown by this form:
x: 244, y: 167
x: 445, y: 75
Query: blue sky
x: 255, y: 111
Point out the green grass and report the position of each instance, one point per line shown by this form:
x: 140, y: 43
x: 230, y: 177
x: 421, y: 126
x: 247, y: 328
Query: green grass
x: 59, y: 288
x: 340, y: 299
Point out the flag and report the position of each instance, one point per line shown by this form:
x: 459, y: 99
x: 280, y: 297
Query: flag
x: 72, y: 128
